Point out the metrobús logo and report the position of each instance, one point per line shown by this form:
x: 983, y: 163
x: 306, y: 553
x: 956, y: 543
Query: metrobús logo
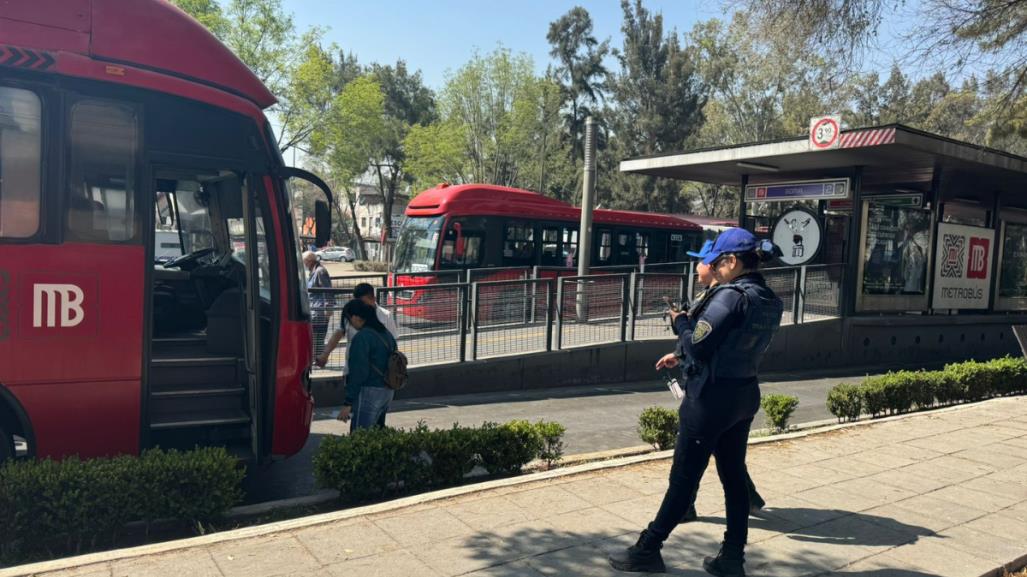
x: 5, y: 305
x: 977, y: 267
x: 57, y: 305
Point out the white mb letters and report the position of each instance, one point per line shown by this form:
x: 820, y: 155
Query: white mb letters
x: 48, y: 298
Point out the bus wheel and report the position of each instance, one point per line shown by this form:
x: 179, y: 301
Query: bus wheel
x: 6, y: 446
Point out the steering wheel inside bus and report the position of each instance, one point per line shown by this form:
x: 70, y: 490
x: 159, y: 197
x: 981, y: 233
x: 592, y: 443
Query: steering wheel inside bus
x: 187, y: 260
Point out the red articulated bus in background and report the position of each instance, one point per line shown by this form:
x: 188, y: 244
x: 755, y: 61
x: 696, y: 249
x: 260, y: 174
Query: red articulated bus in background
x: 474, y: 226
x: 124, y: 124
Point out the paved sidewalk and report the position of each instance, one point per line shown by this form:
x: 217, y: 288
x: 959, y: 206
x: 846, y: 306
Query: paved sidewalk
x: 935, y: 494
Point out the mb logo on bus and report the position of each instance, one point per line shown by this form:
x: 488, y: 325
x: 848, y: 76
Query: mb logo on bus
x: 57, y: 306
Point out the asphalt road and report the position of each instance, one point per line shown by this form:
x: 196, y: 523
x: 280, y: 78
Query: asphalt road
x: 597, y: 418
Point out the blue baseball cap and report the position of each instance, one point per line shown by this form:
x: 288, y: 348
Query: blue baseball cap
x: 732, y: 240
x: 705, y: 250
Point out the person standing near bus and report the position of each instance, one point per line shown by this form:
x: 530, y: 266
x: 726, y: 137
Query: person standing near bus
x: 363, y: 292
x: 719, y: 352
x: 317, y: 277
x: 367, y: 359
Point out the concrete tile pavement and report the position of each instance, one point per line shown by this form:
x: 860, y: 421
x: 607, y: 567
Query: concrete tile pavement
x: 941, y: 494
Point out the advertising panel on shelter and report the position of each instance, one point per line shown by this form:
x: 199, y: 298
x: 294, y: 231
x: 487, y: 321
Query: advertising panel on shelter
x: 1012, y: 280
x: 962, y: 277
x: 898, y: 240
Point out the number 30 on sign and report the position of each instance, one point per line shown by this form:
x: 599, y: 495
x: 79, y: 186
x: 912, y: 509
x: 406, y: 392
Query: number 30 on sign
x: 825, y: 132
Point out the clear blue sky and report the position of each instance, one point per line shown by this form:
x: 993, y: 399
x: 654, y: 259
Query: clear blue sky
x: 439, y: 35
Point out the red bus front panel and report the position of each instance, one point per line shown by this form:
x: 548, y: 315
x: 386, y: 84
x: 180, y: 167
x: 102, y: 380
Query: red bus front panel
x: 75, y: 340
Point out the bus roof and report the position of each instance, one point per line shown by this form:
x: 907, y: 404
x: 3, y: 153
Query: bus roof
x: 148, y: 34
x: 491, y: 200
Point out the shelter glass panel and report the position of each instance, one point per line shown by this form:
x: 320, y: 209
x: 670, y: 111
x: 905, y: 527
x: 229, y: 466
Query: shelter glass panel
x: 895, y: 252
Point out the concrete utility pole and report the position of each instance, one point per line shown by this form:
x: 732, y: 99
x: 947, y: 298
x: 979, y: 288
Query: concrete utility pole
x: 588, y: 197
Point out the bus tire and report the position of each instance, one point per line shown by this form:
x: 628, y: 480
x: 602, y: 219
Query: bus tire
x: 6, y: 446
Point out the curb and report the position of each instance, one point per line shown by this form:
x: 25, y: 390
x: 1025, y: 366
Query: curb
x: 613, y: 460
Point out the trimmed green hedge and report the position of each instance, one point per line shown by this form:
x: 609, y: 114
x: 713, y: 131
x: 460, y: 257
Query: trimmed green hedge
x: 902, y: 391
x: 380, y: 463
x: 65, y: 506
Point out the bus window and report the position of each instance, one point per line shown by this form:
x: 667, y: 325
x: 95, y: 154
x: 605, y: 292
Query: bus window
x: 551, y: 254
x: 604, y: 255
x: 569, y: 248
x: 678, y: 248
x: 417, y: 244
x: 657, y: 247
x: 642, y: 245
x: 102, y: 181
x: 462, y: 245
x: 20, y: 162
x: 519, y: 244
x: 626, y: 252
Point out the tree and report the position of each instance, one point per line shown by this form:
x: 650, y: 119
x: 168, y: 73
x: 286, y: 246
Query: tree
x: 659, y: 99
x: 951, y: 35
x: 480, y: 97
x: 435, y: 153
x: 407, y: 102
x: 580, y: 71
x: 350, y: 138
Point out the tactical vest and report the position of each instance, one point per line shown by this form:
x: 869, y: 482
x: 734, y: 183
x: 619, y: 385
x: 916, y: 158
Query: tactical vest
x: 739, y: 356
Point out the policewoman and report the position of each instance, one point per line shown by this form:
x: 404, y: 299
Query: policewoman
x: 719, y: 351
x: 706, y: 280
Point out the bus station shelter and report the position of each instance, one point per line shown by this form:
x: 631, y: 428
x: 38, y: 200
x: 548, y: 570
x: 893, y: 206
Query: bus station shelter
x: 925, y: 236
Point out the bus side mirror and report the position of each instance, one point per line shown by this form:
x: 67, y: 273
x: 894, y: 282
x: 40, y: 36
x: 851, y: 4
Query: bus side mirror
x: 322, y: 223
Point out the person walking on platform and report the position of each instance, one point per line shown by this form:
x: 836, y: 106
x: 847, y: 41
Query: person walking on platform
x: 705, y: 277
x: 367, y: 396
x: 719, y: 352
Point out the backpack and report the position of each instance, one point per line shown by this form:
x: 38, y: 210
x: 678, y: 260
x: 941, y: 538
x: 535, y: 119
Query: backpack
x: 395, y: 375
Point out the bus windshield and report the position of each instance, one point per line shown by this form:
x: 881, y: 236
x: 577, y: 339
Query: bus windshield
x: 417, y: 244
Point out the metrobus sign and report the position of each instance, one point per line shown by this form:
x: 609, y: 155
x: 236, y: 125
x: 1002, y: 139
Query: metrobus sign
x: 962, y: 277
x: 803, y: 190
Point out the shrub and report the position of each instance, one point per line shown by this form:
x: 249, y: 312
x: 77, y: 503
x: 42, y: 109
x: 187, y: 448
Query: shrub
x: 72, y: 504
x: 872, y: 393
x: 844, y: 401
x: 552, y: 442
x: 658, y: 426
x: 944, y: 387
x: 372, y: 464
x: 975, y: 380
x: 900, y: 391
x: 779, y: 409
x: 370, y: 266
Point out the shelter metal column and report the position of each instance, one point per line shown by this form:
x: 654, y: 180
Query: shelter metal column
x: 854, y: 252
x: 741, y: 202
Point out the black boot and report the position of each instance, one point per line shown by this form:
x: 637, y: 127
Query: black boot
x: 642, y: 557
x: 727, y: 563
x: 690, y: 515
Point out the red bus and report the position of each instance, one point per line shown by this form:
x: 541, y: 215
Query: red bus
x: 451, y: 228
x: 123, y: 125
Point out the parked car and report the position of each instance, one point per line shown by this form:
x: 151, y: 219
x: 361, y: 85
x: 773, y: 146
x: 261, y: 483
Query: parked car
x: 337, y: 254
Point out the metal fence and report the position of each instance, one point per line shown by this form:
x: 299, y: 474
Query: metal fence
x: 541, y: 309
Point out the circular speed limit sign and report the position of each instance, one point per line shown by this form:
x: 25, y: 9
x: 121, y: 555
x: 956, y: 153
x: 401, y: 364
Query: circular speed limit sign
x: 825, y: 132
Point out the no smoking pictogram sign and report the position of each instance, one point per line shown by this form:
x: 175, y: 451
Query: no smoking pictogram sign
x: 825, y: 132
